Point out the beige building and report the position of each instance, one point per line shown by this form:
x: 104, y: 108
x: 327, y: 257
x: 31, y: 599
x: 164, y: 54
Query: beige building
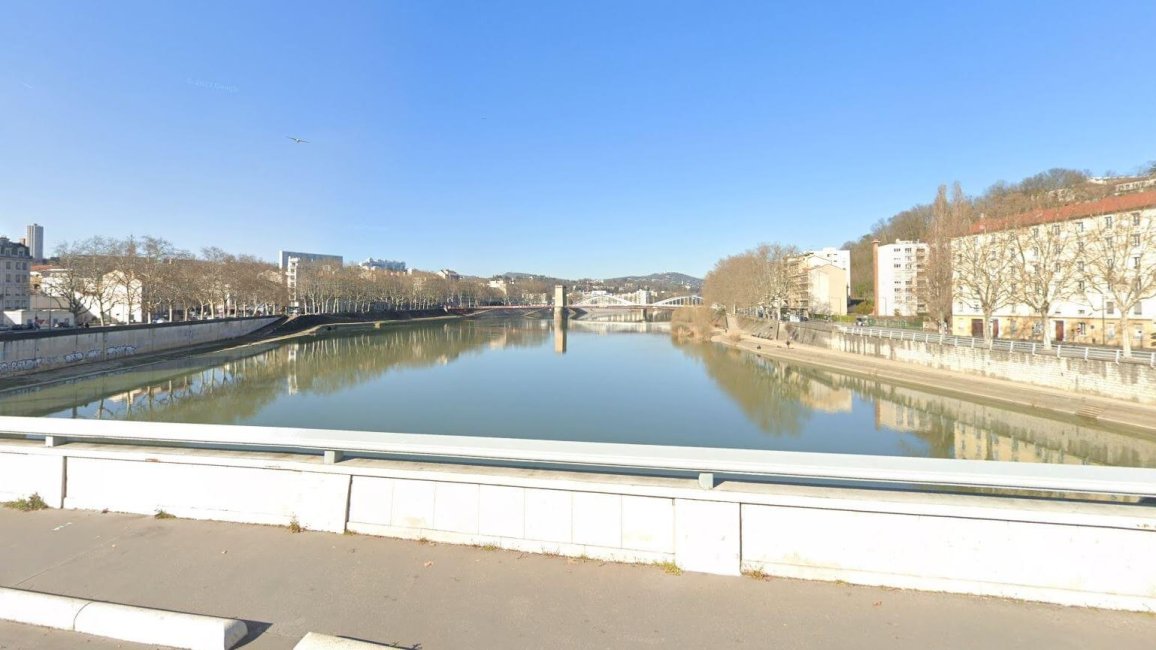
x: 826, y: 288
x: 15, y: 264
x: 1080, y: 241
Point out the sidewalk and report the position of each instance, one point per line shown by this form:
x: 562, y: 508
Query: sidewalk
x: 433, y: 596
x: 1113, y: 412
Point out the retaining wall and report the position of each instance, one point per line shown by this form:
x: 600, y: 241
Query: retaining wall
x: 31, y: 352
x: 1089, y: 554
x: 1131, y: 381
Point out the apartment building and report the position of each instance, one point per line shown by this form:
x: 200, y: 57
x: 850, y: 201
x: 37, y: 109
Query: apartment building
x: 827, y: 287
x: 837, y: 257
x: 898, y: 273
x: 291, y: 263
x: 1091, y: 255
x: 15, y: 261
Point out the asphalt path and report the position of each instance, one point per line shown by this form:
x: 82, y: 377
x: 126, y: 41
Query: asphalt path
x: 432, y: 596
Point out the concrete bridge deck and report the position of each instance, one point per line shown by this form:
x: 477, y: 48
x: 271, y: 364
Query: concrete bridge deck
x: 432, y: 596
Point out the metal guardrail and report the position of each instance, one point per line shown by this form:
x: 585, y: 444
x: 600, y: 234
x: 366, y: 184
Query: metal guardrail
x: 1008, y: 345
x: 334, y: 444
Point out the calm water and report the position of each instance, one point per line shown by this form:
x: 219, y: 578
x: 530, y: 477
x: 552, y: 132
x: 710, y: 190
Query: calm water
x: 616, y: 382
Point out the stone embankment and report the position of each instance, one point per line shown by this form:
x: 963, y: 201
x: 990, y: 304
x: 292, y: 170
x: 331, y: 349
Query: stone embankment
x: 1090, y: 392
x: 38, y: 357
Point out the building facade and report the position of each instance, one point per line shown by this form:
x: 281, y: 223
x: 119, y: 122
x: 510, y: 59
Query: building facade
x: 291, y: 263
x: 35, y: 241
x: 1097, y: 252
x: 15, y: 266
x: 837, y: 257
x: 373, y: 264
x: 898, y: 275
x: 827, y: 287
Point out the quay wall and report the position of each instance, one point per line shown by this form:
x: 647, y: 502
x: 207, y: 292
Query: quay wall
x: 36, y: 351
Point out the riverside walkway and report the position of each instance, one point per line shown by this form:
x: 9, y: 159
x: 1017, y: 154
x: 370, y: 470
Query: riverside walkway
x: 432, y: 596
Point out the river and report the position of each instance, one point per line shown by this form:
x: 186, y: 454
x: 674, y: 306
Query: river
x: 594, y: 381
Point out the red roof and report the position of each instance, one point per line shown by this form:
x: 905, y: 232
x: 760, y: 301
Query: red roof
x: 1108, y: 205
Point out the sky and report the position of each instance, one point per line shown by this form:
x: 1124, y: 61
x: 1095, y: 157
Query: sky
x: 573, y: 139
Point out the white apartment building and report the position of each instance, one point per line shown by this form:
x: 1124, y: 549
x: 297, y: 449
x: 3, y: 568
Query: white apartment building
x: 898, y: 270
x: 35, y: 241
x: 1081, y: 236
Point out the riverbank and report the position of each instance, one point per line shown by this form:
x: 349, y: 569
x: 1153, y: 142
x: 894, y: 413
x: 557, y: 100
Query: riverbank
x: 1138, y: 418
x: 301, y: 326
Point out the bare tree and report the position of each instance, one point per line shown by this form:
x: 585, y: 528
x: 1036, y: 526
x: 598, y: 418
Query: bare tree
x: 1046, y: 269
x: 1119, y: 261
x: 935, y: 281
x: 984, y: 272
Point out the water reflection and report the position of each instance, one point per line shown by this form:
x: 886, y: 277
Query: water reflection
x: 230, y: 387
x: 508, y: 378
x: 782, y: 398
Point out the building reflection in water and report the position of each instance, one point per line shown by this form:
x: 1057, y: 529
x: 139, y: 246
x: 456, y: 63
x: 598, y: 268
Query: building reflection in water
x: 780, y: 398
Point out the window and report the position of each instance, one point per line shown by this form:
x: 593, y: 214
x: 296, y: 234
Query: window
x: 1137, y: 308
x: 1110, y: 240
x: 1135, y: 240
x: 1080, y: 268
x: 1136, y: 262
x: 1111, y: 309
x: 1056, y: 229
x: 1080, y: 246
x: 1081, y: 329
x: 1080, y: 286
x: 1080, y: 226
x: 1108, y: 221
x: 1135, y: 218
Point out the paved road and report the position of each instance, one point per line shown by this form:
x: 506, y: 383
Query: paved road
x: 433, y: 596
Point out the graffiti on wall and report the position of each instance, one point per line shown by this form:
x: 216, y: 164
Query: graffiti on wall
x: 25, y: 365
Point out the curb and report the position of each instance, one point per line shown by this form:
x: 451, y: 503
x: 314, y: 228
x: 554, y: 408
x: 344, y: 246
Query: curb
x: 315, y: 641
x: 122, y: 622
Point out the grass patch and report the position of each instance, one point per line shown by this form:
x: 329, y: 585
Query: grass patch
x: 757, y: 574
x: 295, y: 526
x: 28, y: 504
x: 670, y: 568
x: 489, y: 547
x: 161, y: 514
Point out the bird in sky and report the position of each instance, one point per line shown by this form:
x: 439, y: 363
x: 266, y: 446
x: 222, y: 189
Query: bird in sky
x: 297, y: 140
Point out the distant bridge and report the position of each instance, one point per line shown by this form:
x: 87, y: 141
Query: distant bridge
x: 634, y: 301
x: 609, y: 301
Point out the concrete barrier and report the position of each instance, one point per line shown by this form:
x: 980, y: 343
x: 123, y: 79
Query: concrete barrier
x: 153, y: 626
x: 315, y: 641
x: 1072, y: 553
x: 122, y: 622
x: 45, y: 610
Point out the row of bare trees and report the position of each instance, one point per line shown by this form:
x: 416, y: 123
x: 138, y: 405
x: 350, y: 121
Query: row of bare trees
x: 770, y: 277
x: 148, y: 276
x: 326, y: 289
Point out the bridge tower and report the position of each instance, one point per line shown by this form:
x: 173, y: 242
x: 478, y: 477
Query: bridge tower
x: 559, y: 301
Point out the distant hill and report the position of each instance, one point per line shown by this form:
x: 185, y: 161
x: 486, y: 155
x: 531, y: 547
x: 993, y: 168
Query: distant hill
x: 662, y: 282
x: 669, y: 278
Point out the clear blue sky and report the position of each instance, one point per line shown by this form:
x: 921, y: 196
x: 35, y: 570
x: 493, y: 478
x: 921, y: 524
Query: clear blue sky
x: 574, y: 139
